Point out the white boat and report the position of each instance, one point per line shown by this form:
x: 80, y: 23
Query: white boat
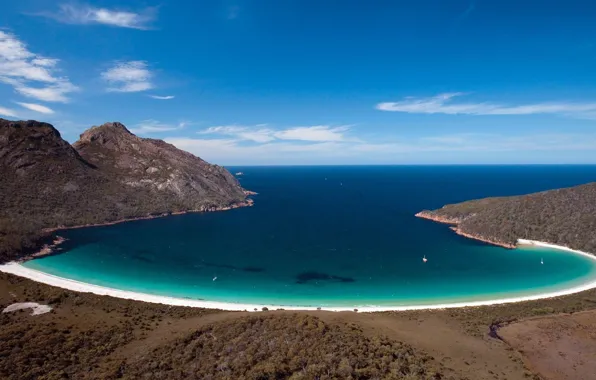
x: 239, y: 173
x: 214, y: 278
x: 424, y: 259
x: 541, y: 260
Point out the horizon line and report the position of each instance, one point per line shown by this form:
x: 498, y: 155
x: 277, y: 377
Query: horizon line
x: 334, y: 165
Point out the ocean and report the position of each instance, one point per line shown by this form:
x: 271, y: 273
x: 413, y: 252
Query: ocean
x: 330, y: 236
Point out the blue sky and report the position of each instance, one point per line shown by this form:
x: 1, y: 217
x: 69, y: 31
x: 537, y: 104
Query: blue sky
x: 241, y: 82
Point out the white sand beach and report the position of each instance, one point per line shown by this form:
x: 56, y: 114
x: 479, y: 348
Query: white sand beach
x: 19, y: 270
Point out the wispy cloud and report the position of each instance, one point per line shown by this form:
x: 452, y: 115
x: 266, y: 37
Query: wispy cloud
x: 444, y: 149
x: 37, y: 108
x: 234, y: 151
x: 260, y: 133
x: 7, y: 112
x: 128, y: 76
x: 81, y: 14
x: 167, y: 97
x: 154, y: 126
x: 443, y: 103
x: 314, y: 133
x: 494, y: 142
x: 31, y: 75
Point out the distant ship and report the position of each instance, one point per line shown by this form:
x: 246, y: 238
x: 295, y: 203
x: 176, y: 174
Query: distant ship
x: 239, y: 173
x: 424, y: 259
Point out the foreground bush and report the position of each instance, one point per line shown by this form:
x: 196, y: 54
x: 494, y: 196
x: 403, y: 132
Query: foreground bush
x: 281, y: 347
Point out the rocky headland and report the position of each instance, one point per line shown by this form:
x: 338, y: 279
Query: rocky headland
x: 455, y: 222
x: 109, y: 175
x: 564, y: 217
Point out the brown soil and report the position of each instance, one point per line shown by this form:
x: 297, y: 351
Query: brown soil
x: 557, y: 347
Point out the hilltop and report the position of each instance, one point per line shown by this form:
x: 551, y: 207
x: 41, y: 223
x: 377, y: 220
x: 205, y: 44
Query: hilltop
x: 109, y: 174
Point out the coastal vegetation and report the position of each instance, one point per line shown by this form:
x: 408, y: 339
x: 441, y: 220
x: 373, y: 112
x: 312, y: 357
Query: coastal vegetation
x: 279, y: 347
x: 564, y: 217
x: 18, y: 238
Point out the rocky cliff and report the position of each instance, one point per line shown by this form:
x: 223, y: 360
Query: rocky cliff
x: 108, y: 175
x: 563, y: 216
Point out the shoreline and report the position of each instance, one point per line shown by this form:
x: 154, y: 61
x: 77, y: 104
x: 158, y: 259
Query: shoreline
x: 454, y: 227
x: 17, y: 269
x: 245, y: 203
x: 458, y: 231
x: 46, y: 249
x: 50, y: 249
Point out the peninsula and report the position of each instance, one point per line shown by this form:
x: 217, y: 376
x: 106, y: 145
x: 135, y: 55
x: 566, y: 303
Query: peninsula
x: 564, y: 217
x: 108, y: 175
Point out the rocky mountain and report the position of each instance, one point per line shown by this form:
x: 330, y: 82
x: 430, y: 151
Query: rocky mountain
x: 178, y: 176
x: 562, y: 216
x: 109, y: 174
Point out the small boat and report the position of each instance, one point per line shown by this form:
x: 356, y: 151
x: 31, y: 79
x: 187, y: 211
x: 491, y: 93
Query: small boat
x: 239, y: 173
x: 214, y: 278
x: 541, y: 260
x: 424, y: 259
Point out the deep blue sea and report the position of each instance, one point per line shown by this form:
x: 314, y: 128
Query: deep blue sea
x: 330, y: 236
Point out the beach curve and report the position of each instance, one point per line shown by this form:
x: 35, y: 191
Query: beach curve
x: 17, y: 269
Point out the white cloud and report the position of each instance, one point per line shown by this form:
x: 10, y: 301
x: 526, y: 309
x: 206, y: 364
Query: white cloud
x: 31, y: 75
x: 129, y: 76
x: 261, y: 134
x: 167, y: 97
x: 45, y: 62
x: 154, y: 126
x: 36, y: 107
x: 55, y: 93
x: 7, y: 112
x: 263, y: 144
x: 86, y: 14
x: 314, y: 133
x: 443, y: 103
x: 456, y: 148
x: 493, y: 142
x: 258, y: 134
x: 230, y: 150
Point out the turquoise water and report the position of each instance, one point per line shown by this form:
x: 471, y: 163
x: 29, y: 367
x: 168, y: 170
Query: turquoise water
x: 330, y: 236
